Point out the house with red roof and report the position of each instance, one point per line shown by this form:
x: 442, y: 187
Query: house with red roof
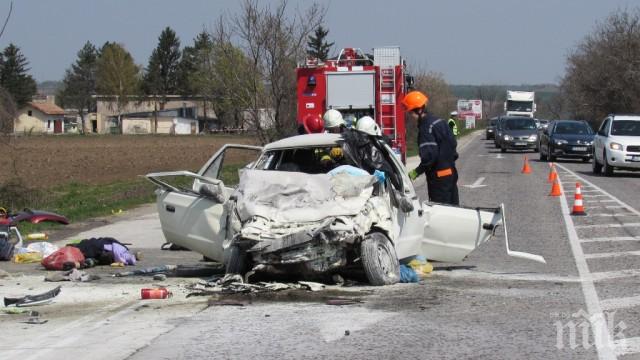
x: 40, y: 117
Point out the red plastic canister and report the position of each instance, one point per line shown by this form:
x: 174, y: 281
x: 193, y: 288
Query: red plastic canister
x: 158, y: 293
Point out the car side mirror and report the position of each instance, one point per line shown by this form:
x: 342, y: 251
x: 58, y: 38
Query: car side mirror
x: 602, y: 133
x: 213, y: 192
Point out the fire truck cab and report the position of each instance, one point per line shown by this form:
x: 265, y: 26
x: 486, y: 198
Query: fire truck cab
x: 356, y: 84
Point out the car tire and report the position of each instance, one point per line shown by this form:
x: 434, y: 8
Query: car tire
x: 496, y: 145
x: 236, y: 260
x: 586, y: 159
x: 503, y: 149
x: 595, y: 166
x: 607, y: 169
x: 536, y: 149
x: 379, y: 260
x: 543, y: 157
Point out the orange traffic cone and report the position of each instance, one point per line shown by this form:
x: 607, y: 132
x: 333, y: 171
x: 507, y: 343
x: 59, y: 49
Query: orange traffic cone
x: 555, y: 189
x: 578, y: 207
x: 553, y: 175
x: 526, y: 169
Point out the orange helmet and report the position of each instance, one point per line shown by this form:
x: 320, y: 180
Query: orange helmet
x: 414, y: 100
x: 313, y: 124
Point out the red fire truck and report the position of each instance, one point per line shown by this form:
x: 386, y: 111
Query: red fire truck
x: 357, y: 84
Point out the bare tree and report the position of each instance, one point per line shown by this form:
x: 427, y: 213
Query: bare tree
x: 6, y: 20
x: 441, y: 99
x: 273, y: 42
x: 603, y: 72
x: 492, y: 100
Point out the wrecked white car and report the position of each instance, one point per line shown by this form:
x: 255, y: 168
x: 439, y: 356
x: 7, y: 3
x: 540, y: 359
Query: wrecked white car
x: 308, y: 205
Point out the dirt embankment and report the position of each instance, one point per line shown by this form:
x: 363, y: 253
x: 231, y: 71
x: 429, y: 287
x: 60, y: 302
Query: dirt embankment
x: 46, y: 161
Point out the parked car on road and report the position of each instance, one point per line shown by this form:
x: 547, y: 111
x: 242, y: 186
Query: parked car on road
x: 518, y: 133
x: 490, y: 131
x: 566, y: 139
x: 284, y: 213
x: 617, y: 144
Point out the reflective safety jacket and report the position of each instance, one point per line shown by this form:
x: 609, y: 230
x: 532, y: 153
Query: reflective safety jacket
x: 454, y: 126
x: 437, y: 147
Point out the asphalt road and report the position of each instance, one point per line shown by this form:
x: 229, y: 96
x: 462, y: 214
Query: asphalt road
x: 491, y: 306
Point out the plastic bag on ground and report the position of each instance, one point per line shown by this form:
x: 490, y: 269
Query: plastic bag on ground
x: 421, y: 266
x: 43, y: 247
x: 408, y: 275
x: 27, y: 257
x: 66, y: 258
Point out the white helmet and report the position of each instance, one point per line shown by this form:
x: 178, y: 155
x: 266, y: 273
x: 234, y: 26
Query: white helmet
x: 332, y: 118
x: 368, y: 125
x: 454, y: 113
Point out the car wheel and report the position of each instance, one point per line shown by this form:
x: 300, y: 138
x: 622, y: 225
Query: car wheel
x: 595, y: 166
x: 607, y: 169
x: 503, y: 149
x: 236, y: 261
x: 537, y: 149
x: 586, y: 159
x: 496, y: 145
x: 379, y: 260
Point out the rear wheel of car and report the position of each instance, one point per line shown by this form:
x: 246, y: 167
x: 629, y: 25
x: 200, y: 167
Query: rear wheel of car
x: 595, y: 166
x: 236, y: 261
x: 379, y: 260
x: 607, y: 169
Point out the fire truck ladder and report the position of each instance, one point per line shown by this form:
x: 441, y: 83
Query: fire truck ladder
x: 387, y: 93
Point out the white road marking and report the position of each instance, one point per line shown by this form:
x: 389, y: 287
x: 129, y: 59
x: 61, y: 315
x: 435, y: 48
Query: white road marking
x: 604, y: 343
x: 627, y: 346
x: 596, y: 195
x: 476, y: 184
x: 583, y: 191
x: 612, y: 215
x: 620, y: 303
x: 611, y: 254
x: 620, y: 238
x: 607, y: 225
x: 606, y: 200
x: 616, y: 274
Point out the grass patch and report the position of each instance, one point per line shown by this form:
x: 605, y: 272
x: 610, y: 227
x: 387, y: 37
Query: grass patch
x: 78, y: 201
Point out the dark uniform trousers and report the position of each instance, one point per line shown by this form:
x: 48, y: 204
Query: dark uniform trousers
x: 443, y: 189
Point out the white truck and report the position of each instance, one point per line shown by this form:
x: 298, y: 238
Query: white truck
x: 520, y: 103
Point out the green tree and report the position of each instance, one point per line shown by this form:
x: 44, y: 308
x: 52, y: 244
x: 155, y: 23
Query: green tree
x: 79, y: 83
x: 117, y: 77
x: 193, y: 59
x: 317, y: 45
x: 14, y: 77
x: 161, y: 77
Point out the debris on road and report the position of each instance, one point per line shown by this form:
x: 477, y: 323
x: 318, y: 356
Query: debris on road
x: 32, y: 300
x: 160, y: 277
x: 233, y: 284
x: 73, y: 275
x: 106, y: 251
x: 177, y: 270
x: 343, y: 301
x: 66, y: 258
x: 227, y: 302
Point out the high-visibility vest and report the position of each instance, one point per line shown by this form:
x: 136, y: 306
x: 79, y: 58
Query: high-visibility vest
x: 453, y: 126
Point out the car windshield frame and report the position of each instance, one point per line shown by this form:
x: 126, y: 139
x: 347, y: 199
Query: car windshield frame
x: 625, y: 128
x: 515, y: 124
x: 571, y: 128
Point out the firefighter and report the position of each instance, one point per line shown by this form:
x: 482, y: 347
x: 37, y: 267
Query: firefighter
x: 437, y: 149
x: 333, y: 121
x: 453, y: 124
x: 368, y: 125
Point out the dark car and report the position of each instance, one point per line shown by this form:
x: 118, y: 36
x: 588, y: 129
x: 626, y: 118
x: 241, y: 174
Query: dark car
x: 567, y: 139
x: 517, y: 133
x: 490, y: 131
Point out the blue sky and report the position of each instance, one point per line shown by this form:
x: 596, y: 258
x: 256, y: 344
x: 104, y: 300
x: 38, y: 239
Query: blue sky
x: 469, y: 41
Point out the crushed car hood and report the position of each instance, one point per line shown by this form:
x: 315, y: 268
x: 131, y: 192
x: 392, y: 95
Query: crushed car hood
x: 287, y: 197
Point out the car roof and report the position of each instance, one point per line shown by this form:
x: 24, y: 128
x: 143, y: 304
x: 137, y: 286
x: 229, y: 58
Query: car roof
x: 308, y: 140
x: 626, y: 117
x: 569, y: 121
